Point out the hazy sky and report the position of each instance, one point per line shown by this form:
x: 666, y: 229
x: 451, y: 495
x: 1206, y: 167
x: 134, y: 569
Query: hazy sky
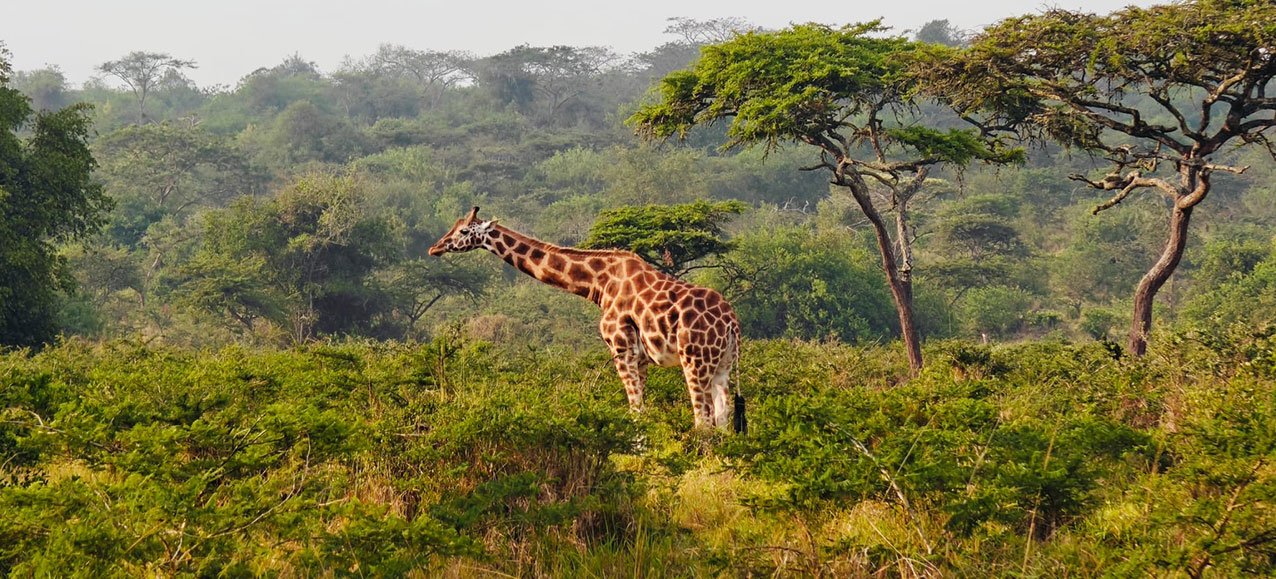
x: 231, y: 38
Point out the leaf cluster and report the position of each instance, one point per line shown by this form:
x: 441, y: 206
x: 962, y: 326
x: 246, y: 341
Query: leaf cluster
x: 671, y: 237
x: 835, y: 88
x: 1172, y: 77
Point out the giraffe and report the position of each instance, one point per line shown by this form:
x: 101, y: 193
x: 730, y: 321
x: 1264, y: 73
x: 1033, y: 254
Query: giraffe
x: 648, y: 316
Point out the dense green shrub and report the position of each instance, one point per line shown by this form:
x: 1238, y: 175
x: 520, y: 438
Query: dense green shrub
x: 458, y: 457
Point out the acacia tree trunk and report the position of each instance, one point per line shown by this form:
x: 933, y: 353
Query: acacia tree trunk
x: 899, y: 280
x: 1196, y: 185
x: 1156, y: 277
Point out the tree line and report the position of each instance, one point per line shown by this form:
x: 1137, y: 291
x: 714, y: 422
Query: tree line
x: 851, y: 171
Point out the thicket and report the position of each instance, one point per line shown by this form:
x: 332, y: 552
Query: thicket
x: 466, y: 458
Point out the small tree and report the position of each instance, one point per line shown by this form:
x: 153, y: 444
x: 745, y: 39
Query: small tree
x: 670, y: 237
x: 416, y: 285
x: 848, y: 93
x: 304, y: 260
x: 141, y: 72
x: 1168, y: 85
x: 978, y: 244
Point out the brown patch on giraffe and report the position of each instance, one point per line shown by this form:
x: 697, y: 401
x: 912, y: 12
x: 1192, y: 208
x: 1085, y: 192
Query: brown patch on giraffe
x: 553, y: 278
x: 536, y: 255
x: 596, y: 264
x: 579, y: 274
x: 557, y: 262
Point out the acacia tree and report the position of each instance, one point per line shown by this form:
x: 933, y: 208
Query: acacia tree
x: 555, y: 75
x: 670, y: 237
x: 433, y: 71
x: 141, y: 71
x: 417, y: 285
x: 847, y: 92
x: 1146, y: 88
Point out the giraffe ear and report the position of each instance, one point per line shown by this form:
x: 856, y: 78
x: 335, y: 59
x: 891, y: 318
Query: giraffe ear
x: 473, y: 216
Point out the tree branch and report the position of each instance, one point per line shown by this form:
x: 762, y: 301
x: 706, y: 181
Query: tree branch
x: 1119, y: 197
x: 1125, y: 185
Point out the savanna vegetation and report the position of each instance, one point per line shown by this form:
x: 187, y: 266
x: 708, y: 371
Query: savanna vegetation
x: 224, y: 350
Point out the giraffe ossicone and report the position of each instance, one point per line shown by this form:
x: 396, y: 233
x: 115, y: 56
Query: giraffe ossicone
x: 648, y: 316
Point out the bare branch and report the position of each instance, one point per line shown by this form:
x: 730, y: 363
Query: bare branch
x: 1125, y: 184
x: 1119, y: 197
x: 1164, y: 101
x: 1225, y: 168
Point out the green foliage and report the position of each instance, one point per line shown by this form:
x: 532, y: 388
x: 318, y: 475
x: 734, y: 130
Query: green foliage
x: 46, y: 88
x: 46, y: 195
x: 996, y: 310
x: 1124, y: 54
x: 165, y: 169
x: 791, y: 282
x: 670, y: 237
x: 806, y: 84
x: 354, y: 458
x: 142, y: 72
x: 1244, y: 299
x: 1106, y: 253
x: 303, y: 132
x: 302, y: 261
x: 940, y: 32
x: 435, y: 458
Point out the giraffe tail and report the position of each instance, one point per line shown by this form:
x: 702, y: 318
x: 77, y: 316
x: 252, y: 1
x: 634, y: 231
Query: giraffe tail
x: 738, y: 419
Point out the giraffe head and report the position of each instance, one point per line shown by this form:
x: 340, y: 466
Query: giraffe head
x: 467, y: 234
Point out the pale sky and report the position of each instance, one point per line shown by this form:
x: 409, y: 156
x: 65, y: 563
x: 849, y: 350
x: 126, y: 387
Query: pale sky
x: 231, y: 38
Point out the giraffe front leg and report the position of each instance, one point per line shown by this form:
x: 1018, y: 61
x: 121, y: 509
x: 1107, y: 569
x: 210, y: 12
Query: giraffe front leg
x: 631, y: 363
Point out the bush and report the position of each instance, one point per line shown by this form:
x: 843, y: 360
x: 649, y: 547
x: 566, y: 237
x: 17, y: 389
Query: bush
x: 454, y: 457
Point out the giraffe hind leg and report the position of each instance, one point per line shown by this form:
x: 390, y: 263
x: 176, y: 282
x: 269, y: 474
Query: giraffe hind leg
x: 722, y: 403
x: 700, y: 388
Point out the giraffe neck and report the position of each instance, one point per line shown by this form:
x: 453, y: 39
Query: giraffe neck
x: 552, y: 264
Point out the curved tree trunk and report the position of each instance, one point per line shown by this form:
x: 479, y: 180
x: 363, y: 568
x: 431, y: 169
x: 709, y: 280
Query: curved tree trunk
x: 900, y: 282
x: 1156, y: 277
